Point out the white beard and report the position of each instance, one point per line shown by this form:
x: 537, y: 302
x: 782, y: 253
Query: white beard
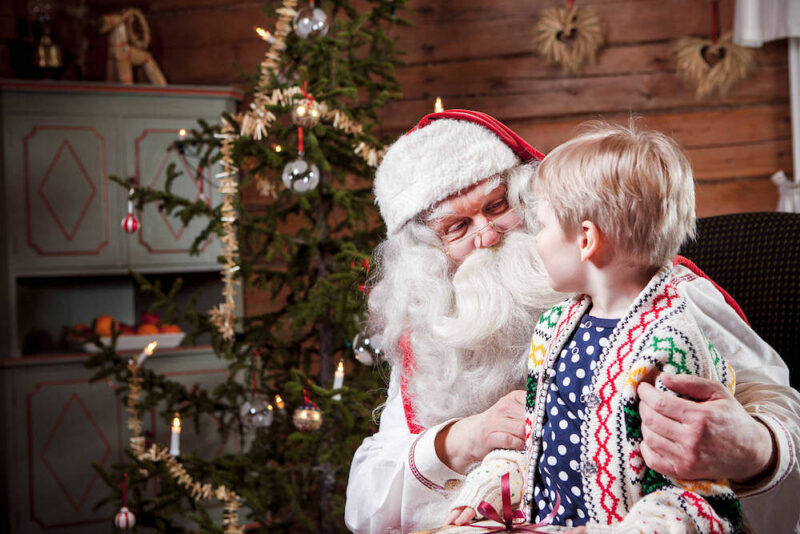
x: 469, y: 330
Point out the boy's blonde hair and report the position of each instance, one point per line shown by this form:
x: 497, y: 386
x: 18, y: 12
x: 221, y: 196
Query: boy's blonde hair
x: 635, y: 185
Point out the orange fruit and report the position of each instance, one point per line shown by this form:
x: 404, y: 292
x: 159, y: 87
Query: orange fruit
x: 147, y: 329
x: 104, y: 325
x: 170, y: 329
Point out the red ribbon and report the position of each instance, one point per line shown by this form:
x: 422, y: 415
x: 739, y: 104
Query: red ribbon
x: 125, y: 489
x: 714, y: 21
x: 512, y: 520
x: 300, y: 140
x: 305, y: 92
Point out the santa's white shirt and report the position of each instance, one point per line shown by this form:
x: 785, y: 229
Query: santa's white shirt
x: 396, y: 478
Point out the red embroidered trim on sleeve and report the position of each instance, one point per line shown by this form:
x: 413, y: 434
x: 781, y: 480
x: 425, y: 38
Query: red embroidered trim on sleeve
x: 409, y: 366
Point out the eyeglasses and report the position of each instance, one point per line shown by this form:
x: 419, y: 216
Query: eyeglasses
x: 457, y: 245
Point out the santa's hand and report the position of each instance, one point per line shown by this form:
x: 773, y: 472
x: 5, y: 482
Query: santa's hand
x: 460, y: 516
x: 710, y: 437
x: 468, y: 440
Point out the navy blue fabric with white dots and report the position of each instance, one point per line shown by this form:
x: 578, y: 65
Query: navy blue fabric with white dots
x: 559, y: 463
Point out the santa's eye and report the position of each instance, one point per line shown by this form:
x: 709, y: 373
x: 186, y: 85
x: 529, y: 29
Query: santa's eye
x: 456, y: 229
x: 497, y: 207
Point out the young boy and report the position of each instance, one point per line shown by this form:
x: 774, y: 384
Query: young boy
x: 615, y: 204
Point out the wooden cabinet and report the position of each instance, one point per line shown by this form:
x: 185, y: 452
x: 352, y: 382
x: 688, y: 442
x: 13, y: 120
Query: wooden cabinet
x: 60, y: 143
x: 62, y: 214
x: 64, y: 259
x: 55, y: 424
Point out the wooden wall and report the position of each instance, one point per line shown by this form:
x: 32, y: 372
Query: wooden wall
x: 478, y: 54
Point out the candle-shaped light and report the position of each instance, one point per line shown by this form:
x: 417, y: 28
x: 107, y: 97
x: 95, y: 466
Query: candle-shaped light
x: 264, y: 34
x: 182, y: 133
x: 148, y: 350
x: 278, y: 148
x: 279, y: 403
x: 437, y: 106
x: 175, y: 436
x: 338, y: 380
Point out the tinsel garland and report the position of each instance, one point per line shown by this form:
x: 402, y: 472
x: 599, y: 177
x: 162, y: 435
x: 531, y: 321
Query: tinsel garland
x: 175, y: 468
x: 255, y: 123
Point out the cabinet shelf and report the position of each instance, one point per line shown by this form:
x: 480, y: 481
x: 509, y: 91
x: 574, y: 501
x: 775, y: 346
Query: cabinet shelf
x: 61, y: 141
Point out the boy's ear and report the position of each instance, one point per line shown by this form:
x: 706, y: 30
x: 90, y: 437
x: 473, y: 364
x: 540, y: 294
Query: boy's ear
x: 590, y: 239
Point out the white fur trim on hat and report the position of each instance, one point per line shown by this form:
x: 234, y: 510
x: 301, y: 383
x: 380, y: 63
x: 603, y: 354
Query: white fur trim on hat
x: 429, y: 164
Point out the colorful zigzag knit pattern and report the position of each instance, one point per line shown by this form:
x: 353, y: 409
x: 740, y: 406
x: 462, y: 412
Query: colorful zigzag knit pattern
x: 658, y: 334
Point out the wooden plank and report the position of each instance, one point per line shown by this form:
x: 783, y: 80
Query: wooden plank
x: 457, y: 30
x: 602, y: 94
x: 193, y: 28
x: 159, y: 6
x: 217, y: 64
x: 741, y: 161
x: 692, y: 129
x: 516, y: 74
x: 718, y: 198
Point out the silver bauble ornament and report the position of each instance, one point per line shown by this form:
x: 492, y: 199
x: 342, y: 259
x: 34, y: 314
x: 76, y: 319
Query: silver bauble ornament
x: 307, y: 417
x: 367, y: 349
x: 258, y: 413
x: 300, y: 176
x: 306, y: 113
x: 310, y: 22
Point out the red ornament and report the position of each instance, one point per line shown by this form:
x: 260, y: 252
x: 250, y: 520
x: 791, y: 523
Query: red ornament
x: 130, y: 223
x: 125, y: 519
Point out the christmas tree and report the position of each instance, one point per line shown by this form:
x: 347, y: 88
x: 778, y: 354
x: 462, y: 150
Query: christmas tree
x: 308, y: 141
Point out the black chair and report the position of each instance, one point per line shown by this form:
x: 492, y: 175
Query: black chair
x: 756, y: 258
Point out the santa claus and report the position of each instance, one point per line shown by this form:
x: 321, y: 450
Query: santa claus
x: 457, y: 291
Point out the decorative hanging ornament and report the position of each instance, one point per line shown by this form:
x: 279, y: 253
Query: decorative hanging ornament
x: 130, y: 223
x: 125, y: 519
x: 306, y: 113
x: 715, y: 65
x: 568, y: 36
x: 299, y: 175
x: 307, y: 417
x: 310, y: 22
x: 257, y: 413
x: 367, y: 349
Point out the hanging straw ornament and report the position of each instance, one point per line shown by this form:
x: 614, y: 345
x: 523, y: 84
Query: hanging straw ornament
x: 569, y: 36
x: 713, y: 66
x: 306, y: 111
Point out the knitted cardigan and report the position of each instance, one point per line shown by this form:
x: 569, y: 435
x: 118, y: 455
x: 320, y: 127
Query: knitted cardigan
x: 622, y: 494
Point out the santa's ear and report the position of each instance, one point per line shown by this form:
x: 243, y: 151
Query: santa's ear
x: 590, y: 239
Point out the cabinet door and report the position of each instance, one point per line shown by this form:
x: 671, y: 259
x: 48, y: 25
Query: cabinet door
x: 163, y: 242
x: 59, y: 209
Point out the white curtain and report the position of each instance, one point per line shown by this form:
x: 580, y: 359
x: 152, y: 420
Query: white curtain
x: 758, y: 21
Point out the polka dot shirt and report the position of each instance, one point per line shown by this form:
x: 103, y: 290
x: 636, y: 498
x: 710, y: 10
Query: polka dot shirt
x: 559, y: 463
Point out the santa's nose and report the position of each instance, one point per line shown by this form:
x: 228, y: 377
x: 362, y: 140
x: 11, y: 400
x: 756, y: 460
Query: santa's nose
x: 488, y: 237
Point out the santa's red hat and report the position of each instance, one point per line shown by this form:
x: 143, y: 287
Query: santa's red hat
x: 442, y: 155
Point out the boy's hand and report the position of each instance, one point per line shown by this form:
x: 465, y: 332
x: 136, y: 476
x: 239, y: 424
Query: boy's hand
x: 576, y: 530
x: 460, y: 516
